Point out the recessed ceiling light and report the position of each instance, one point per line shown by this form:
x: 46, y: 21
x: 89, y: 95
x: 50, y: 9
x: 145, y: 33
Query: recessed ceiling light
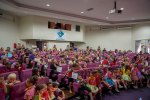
x: 47, y: 5
x: 107, y: 17
x: 121, y: 8
x: 82, y: 12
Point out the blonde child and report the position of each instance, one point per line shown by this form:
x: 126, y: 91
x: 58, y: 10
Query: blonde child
x: 11, y: 80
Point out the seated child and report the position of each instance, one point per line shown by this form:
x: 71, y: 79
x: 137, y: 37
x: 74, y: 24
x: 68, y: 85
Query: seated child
x: 92, y: 83
x: 30, y: 90
x: 134, y: 75
x: 45, y: 94
x: 109, y: 80
x: 11, y: 80
x: 2, y: 85
x: 50, y: 90
x: 39, y: 90
x: 126, y: 73
x: 59, y: 94
x: 83, y: 89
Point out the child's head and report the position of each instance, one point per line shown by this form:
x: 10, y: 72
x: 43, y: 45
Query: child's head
x: 55, y: 85
x: 40, y: 88
x: 17, y: 65
x: 35, y: 72
x: 11, y: 77
x: 79, y: 77
x: 30, y: 81
x: 1, y: 79
x: 49, y: 85
x: 45, y: 87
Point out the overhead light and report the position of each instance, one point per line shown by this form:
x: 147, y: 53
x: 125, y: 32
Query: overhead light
x: 121, y: 8
x: 47, y: 5
x: 107, y: 17
x: 82, y: 12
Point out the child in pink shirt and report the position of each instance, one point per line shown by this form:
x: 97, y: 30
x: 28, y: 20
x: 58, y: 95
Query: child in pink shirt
x: 30, y: 90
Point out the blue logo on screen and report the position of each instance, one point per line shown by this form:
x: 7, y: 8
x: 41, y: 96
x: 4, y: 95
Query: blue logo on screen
x: 60, y: 34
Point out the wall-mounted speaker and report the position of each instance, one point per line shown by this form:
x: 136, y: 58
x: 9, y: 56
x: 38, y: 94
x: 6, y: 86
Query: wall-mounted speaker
x: 77, y: 28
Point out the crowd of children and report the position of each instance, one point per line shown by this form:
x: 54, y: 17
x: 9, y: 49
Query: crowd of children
x: 131, y: 69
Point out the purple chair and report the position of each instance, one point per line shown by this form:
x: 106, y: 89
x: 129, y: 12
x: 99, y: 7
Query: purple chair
x: 17, y: 91
x: 48, y: 72
x: 5, y: 75
x: 2, y: 68
x: 60, y: 76
x: 76, y: 87
x: 25, y: 74
x: 64, y: 68
x: 2, y: 94
x: 43, y: 80
x: 91, y: 65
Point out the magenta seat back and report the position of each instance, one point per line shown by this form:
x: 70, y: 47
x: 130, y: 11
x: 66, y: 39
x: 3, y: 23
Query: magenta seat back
x: 76, y: 87
x: 2, y: 94
x: 91, y: 65
x: 43, y: 80
x: 60, y: 76
x: 17, y: 91
x: 5, y: 75
x: 25, y: 74
x: 64, y: 68
x: 48, y: 72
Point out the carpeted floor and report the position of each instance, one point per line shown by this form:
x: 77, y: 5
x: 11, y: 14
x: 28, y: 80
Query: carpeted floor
x: 132, y: 94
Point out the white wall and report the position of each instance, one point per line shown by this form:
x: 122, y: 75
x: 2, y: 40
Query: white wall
x: 8, y: 33
x: 62, y: 45
x: 140, y: 32
x: 41, y: 30
x: 109, y: 39
x: 26, y: 27
x: 33, y: 27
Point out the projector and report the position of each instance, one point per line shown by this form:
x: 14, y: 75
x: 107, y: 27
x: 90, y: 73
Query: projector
x: 115, y: 10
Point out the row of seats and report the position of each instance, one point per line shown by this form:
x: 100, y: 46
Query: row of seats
x: 17, y: 91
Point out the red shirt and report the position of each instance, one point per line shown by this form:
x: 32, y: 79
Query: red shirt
x: 2, y: 87
x: 97, y: 79
x: 105, y: 62
x: 70, y: 74
x: 92, y: 81
x: 45, y: 95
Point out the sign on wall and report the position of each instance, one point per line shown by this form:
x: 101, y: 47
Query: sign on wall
x: 60, y: 35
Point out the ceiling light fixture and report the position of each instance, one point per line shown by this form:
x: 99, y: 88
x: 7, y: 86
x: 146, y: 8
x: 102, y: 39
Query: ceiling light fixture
x: 121, y: 8
x: 82, y: 12
x: 107, y: 17
x: 47, y: 5
x: 115, y: 10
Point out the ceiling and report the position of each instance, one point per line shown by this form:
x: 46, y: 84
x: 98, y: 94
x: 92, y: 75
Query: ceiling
x: 134, y: 10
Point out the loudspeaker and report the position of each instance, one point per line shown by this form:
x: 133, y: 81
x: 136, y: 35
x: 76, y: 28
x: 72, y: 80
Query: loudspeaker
x: 77, y: 28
